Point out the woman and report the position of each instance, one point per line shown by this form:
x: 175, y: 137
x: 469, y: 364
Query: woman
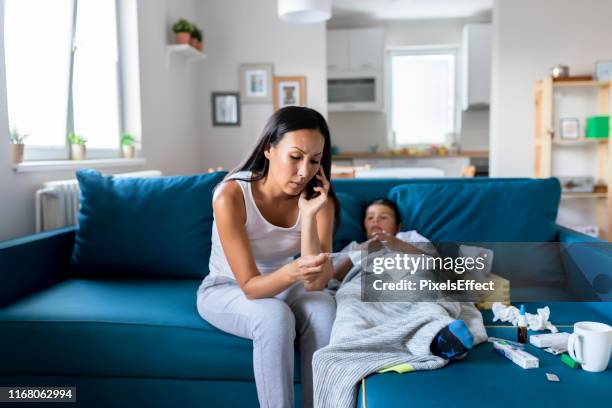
x: 276, y: 204
x: 382, y: 224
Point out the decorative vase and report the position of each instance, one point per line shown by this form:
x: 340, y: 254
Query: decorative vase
x: 77, y: 152
x: 183, y: 38
x: 17, y: 152
x: 128, y: 151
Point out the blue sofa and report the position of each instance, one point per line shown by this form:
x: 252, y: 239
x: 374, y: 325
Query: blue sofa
x: 126, y: 341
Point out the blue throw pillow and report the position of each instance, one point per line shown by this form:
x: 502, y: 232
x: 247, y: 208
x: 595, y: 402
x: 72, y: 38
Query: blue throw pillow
x: 351, y: 221
x: 508, y: 211
x: 504, y: 211
x: 144, y: 227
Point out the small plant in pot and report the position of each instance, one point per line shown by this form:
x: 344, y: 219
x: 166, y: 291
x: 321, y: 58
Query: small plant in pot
x: 182, y: 29
x: 17, y: 145
x: 77, y: 146
x: 127, y: 146
x: 196, y: 38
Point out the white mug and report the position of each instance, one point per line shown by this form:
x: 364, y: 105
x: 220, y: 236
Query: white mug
x: 590, y: 345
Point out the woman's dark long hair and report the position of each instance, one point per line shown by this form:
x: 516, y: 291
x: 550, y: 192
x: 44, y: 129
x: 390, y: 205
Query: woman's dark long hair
x: 289, y: 119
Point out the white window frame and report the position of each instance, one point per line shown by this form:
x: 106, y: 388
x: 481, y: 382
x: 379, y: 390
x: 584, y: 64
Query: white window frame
x: 39, y: 153
x: 421, y: 50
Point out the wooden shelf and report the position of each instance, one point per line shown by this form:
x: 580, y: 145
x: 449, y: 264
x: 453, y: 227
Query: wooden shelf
x: 584, y: 195
x: 570, y: 84
x: 544, y: 145
x: 581, y: 141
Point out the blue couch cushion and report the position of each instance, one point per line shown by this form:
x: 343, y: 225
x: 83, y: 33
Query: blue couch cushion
x: 351, y: 221
x: 516, y: 217
x: 368, y: 190
x: 485, y: 378
x: 120, y: 328
x: 493, y: 211
x: 144, y: 227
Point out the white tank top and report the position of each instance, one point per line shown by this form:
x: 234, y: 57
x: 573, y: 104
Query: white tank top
x: 272, y: 246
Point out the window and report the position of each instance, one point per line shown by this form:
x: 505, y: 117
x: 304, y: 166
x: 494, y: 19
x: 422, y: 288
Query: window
x: 423, y: 95
x: 62, y: 70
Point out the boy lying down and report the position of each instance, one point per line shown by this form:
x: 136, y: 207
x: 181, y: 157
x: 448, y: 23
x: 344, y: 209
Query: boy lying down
x: 368, y: 337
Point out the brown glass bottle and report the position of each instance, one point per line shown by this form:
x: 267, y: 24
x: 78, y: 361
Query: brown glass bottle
x: 522, y: 334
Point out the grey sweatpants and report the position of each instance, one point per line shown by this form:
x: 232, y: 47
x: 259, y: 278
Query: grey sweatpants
x: 272, y: 324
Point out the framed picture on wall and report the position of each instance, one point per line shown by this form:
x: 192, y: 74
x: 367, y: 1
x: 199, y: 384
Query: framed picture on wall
x: 289, y: 91
x: 603, y: 70
x: 256, y: 82
x: 569, y: 128
x: 226, y: 108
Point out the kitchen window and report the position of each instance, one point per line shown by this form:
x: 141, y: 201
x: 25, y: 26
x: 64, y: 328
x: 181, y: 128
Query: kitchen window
x: 422, y: 95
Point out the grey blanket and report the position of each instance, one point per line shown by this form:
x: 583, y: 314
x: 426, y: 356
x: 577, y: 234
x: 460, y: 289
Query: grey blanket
x: 367, y: 337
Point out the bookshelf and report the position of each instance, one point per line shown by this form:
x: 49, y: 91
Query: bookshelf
x: 546, y: 142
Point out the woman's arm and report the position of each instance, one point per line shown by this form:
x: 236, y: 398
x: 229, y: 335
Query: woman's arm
x: 316, y: 238
x: 230, y: 216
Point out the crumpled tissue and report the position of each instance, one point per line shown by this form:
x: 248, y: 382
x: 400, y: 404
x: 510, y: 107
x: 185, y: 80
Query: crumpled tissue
x: 536, y: 322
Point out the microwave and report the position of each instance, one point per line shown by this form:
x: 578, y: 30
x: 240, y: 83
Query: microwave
x: 354, y: 91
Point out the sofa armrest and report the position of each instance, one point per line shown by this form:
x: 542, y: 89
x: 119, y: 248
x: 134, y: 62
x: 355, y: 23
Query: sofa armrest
x: 32, y: 263
x: 569, y: 236
x: 588, y: 264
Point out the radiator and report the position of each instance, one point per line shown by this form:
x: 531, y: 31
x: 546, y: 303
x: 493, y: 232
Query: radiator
x: 57, y: 203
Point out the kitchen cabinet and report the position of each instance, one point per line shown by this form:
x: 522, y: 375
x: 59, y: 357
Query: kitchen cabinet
x: 356, y: 49
x: 337, y: 50
x: 476, y: 66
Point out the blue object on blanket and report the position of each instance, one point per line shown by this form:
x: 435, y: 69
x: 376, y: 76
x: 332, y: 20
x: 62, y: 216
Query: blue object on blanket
x: 453, y: 341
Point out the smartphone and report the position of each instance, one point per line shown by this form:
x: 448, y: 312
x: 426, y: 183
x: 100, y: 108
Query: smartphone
x: 310, y: 191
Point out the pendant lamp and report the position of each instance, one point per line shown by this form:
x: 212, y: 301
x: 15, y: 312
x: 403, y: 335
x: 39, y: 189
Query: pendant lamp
x: 304, y: 11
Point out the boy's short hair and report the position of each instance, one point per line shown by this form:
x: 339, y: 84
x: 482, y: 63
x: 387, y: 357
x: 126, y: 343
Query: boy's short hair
x: 387, y: 203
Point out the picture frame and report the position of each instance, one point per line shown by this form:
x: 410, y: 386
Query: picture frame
x: 256, y: 83
x: 603, y: 70
x: 289, y: 91
x: 225, y: 108
x: 569, y: 128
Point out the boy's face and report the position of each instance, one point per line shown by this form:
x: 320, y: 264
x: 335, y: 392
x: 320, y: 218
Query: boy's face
x: 380, y: 218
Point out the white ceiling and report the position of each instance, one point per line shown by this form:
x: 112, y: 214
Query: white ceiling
x: 408, y: 9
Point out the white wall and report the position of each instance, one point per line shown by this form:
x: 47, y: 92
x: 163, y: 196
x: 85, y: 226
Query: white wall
x: 244, y: 31
x: 178, y: 137
x: 169, y: 98
x: 355, y: 131
x: 531, y: 37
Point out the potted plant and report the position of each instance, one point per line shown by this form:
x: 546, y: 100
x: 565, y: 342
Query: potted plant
x: 77, y: 146
x: 127, y: 145
x: 196, y: 38
x: 182, y: 29
x: 17, y: 146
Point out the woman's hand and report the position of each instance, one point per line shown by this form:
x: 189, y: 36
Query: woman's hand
x: 309, y: 268
x: 309, y: 208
